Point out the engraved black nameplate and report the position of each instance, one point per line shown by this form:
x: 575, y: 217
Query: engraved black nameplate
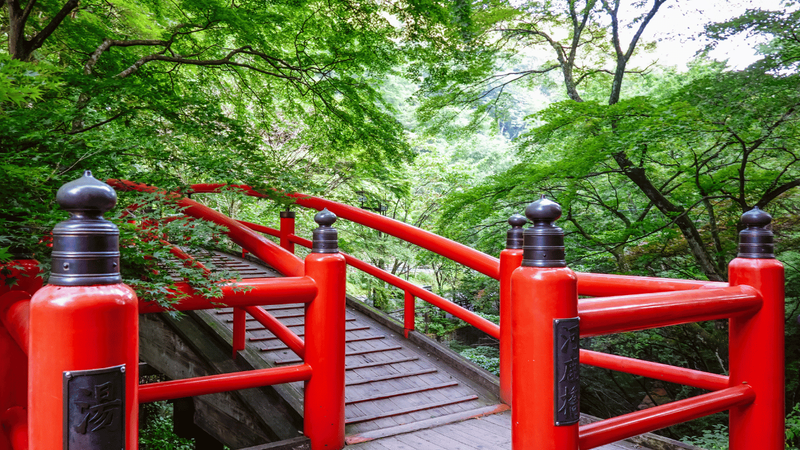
x: 567, y: 397
x: 94, y: 409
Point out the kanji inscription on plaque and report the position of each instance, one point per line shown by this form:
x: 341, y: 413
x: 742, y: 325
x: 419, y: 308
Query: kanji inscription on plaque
x: 566, y: 354
x: 94, y: 409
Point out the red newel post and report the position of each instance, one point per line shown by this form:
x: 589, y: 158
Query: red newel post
x: 757, y: 341
x: 84, y: 334
x: 19, y: 280
x: 510, y: 259
x: 323, y: 420
x: 287, y: 229
x: 544, y: 306
x: 409, y: 313
x: 239, y: 329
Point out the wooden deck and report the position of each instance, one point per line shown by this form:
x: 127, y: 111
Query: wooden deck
x: 398, y: 396
x: 389, y: 381
x: 491, y: 432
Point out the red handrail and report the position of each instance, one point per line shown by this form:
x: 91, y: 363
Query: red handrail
x: 284, y: 261
x: 459, y: 253
x: 212, y: 384
x: 462, y: 313
x: 639, y: 422
x: 657, y: 371
x: 257, y: 291
x: 636, y: 312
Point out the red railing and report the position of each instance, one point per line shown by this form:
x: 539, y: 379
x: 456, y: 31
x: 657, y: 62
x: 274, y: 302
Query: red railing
x: 535, y: 299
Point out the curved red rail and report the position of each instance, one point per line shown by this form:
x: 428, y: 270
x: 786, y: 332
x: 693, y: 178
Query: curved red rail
x: 268, y: 251
x: 462, y: 313
x: 459, y: 253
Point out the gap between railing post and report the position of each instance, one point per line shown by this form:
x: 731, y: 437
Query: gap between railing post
x: 510, y: 259
x: 409, y: 313
x: 545, y: 369
x: 757, y: 341
x: 323, y: 420
x: 287, y: 229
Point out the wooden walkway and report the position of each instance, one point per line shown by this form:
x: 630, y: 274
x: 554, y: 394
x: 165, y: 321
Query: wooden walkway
x: 389, y: 382
x: 491, y: 432
x: 398, y: 396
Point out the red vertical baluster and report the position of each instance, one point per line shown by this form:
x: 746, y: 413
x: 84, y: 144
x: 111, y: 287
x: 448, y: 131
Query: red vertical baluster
x: 409, y: 312
x: 239, y: 328
x: 287, y: 229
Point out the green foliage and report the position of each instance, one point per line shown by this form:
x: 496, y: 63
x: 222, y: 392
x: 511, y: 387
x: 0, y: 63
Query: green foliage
x: 146, y: 261
x: 714, y: 439
x: 158, y: 434
x: 793, y: 428
x: 22, y: 82
x: 486, y: 357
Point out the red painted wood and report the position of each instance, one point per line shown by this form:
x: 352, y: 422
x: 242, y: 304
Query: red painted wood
x: 622, y: 427
x: 324, y: 418
x: 636, y: 312
x: 510, y: 259
x: 695, y: 378
x: 103, y: 331
x: 212, y: 384
x: 538, y: 296
x: 757, y: 357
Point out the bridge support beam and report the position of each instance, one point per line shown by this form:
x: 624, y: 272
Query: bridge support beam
x: 757, y: 341
x: 323, y: 420
x: 544, y: 310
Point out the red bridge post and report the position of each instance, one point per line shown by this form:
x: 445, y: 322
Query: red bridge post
x: 544, y: 309
x: 287, y: 229
x: 757, y: 341
x: 510, y: 259
x: 84, y: 337
x: 14, y: 368
x: 323, y: 420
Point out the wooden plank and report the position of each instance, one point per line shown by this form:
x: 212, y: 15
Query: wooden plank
x: 431, y: 423
x: 389, y: 377
x: 356, y: 353
x: 302, y: 333
x: 391, y: 394
x: 349, y: 319
x: 411, y: 409
x: 284, y: 347
x: 380, y: 363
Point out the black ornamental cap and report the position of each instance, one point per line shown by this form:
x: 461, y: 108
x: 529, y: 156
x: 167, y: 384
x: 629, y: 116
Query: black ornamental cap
x: 86, y: 246
x: 514, y: 235
x: 543, y: 242
x: 325, y: 239
x: 756, y: 241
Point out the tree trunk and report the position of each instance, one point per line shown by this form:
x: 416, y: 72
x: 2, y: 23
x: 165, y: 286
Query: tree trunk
x: 674, y: 212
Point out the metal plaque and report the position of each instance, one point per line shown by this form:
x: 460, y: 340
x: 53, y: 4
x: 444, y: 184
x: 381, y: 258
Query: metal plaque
x: 567, y: 398
x: 94, y: 409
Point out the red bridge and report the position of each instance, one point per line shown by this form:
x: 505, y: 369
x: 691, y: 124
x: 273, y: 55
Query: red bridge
x: 71, y: 348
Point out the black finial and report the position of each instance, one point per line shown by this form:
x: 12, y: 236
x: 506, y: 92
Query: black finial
x: 514, y: 235
x: 86, y: 246
x: 325, y: 238
x: 86, y: 194
x: 756, y: 241
x: 543, y: 244
x: 288, y: 214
